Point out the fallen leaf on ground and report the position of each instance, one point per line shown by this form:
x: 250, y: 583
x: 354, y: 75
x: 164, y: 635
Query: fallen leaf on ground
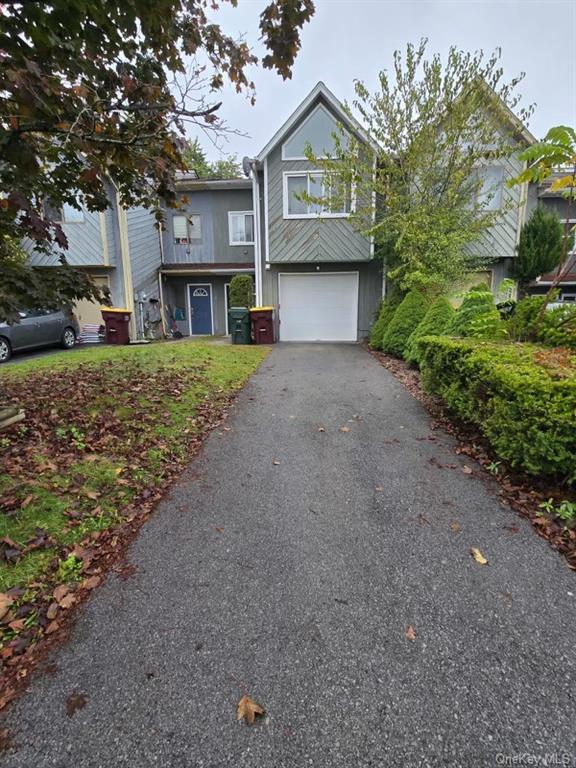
x: 67, y: 601
x: 92, y: 582
x: 60, y: 591
x: 466, y: 469
x: 478, y: 556
x: 18, y: 625
x: 52, y: 611
x: 26, y: 501
x: 52, y: 627
x: 455, y: 526
x: 423, y: 520
x: 248, y: 709
x: 6, y: 742
x: 5, y: 603
x: 275, y: 462
x: 411, y: 633
x: 511, y: 528
x: 74, y: 702
x: 379, y: 488
x: 344, y: 429
x: 220, y: 530
x: 321, y: 429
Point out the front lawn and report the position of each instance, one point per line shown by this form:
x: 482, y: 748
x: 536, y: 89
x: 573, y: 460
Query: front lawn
x: 105, y: 431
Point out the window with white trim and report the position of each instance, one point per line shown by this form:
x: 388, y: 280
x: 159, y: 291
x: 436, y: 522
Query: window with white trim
x: 241, y: 227
x: 316, y: 184
x: 186, y: 228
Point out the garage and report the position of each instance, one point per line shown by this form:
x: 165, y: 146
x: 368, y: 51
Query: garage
x: 318, y: 306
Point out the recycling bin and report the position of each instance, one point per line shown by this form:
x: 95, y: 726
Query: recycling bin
x: 117, y: 324
x: 262, y: 319
x: 239, y: 325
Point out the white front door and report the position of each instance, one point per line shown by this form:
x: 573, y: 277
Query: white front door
x: 319, y: 306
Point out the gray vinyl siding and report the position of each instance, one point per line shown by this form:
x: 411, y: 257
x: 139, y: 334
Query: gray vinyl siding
x: 144, y: 244
x: 214, y: 245
x: 499, y: 241
x: 175, y: 293
x: 84, y: 244
x: 306, y: 240
x: 369, y: 287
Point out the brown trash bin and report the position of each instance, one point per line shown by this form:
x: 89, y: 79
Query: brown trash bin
x: 117, y: 323
x: 262, y: 325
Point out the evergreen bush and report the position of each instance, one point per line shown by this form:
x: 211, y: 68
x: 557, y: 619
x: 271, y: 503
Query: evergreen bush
x: 386, y: 312
x: 434, y: 323
x: 241, y: 291
x: 407, y: 316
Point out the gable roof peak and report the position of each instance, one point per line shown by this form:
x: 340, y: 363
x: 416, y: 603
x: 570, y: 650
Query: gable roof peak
x: 320, y: 89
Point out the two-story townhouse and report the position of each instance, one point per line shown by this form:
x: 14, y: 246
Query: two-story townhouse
x: 206, y: 241
x: 312, y: 266
x: 120, y: 248
x: 557, y: 201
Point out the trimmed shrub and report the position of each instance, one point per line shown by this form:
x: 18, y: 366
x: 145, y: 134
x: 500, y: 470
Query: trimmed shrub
x: 407, y: 316
x: 241, y: 291
x: 478, y: 316
x: 556, y: 329
x: 522, y: 397
x: 434, y: 323
x: 386, y: 312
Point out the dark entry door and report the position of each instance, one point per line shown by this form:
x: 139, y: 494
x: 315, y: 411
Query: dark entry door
x: 201, y: 309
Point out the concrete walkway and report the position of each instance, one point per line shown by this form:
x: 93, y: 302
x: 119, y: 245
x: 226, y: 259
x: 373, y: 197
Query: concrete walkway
x: 305, y: 596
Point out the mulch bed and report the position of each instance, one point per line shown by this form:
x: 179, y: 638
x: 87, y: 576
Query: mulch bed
x: 520, y: 492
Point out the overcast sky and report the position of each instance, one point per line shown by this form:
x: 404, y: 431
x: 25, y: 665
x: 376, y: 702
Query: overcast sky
x: 355, y: 39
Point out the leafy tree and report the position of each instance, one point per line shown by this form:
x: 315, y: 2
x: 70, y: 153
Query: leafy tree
x: 195, y: 159
x: 410, y: 312
x: 434, y: 323
x: 241, y: 291
x: 438, y: 126
x: 539, y: 248
x: 96, y: 90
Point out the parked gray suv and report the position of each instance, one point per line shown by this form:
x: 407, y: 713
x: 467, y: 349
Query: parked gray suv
x: 38, y: 328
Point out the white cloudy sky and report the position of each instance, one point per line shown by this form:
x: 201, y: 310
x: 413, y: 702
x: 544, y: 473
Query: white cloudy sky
x: 355, y: 39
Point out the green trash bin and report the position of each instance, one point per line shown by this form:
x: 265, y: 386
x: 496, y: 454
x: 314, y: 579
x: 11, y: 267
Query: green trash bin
x: 239, y: 325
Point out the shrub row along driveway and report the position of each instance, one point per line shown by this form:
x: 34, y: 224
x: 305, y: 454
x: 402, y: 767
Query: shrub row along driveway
x: 289, y: 563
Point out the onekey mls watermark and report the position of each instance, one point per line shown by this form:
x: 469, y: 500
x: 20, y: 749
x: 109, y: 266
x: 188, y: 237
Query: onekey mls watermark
x: 546, y: 760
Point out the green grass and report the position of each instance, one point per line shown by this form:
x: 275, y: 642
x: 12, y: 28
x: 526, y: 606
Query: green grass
x: 104, y: 426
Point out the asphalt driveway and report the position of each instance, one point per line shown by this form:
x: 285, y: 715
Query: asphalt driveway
x: 296, y: 581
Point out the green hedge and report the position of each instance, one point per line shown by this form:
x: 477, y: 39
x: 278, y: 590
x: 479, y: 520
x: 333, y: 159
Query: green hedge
x: 478, y: 317
x: 439, y: 316
x: 386, y: 312
x: 410, y: 312
x: 522, y: 396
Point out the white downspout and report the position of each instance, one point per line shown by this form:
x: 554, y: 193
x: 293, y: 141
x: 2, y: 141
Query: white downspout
x: 257, y: 237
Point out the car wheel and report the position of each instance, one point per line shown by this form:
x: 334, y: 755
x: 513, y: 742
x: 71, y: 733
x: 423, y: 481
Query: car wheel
x: 5, y: 350
x: 68, y: 338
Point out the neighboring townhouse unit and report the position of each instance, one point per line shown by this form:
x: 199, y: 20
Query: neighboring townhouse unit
x: 566, y: 210
x: 120, y: 248
x: 207, y: 241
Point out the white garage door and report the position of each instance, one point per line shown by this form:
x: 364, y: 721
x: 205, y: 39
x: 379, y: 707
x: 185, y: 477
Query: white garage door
x: 318, y: 306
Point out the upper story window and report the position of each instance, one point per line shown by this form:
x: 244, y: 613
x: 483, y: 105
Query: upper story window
x: 186, y: 228
x: 241, y: 227
x: 317, y: 131
x: 489, y: 194
x: 319, y: 184
x: 67, y: 214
